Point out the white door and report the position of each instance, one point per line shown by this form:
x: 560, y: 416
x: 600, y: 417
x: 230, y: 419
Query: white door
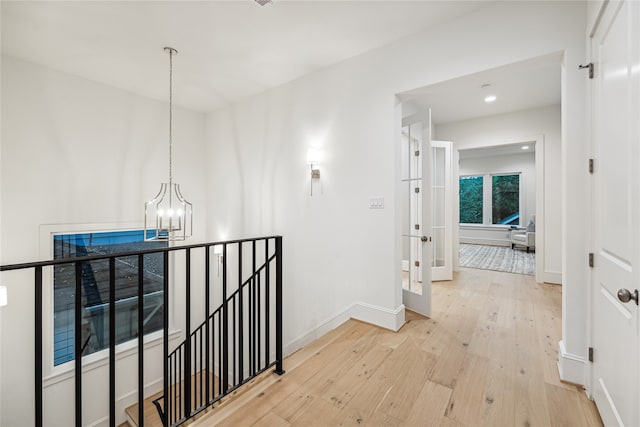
x: 616, y: 116
x: 415, y: 177
x: 441, y: 217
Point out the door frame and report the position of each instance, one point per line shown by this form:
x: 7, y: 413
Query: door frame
x: 538, y: 140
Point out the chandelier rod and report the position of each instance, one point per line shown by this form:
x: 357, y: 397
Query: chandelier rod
x: 171, y: 52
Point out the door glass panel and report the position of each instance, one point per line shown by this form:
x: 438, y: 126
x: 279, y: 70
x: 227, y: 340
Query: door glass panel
x: 439, y: 171
x: 438, y: 247
x: 411, y: 201
x: 438, y: 205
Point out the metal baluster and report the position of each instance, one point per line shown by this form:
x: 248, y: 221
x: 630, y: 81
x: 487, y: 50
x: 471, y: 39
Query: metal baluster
x: 78, y: 343
x: 38, y: 345
x: 267, y: 315
x: 225, y: 330
x: 279, y: 369
x: 240, y: 318
x: 112, y: 342
x: 140, y: 340
x: 207, y: 297
x: 187, y: 349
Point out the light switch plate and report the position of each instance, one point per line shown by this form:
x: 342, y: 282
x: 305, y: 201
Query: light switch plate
x: 376, y: 203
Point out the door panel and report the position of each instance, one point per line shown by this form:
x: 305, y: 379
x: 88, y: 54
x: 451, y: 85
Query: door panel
x: 615, y: 375
x: 415, y: 177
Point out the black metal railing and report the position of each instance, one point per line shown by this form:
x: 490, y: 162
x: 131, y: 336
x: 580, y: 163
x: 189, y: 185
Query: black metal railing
x: 239, y: 338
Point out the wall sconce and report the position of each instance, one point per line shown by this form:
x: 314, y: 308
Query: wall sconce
x: 313, y: 158
x: 3, y: 296
x: 217, y: 252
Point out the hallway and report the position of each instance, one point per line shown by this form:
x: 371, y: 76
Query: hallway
x: 488, y: 357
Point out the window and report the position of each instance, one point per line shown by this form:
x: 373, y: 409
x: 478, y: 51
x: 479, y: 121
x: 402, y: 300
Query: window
x: 95, y: 290
x: 490, y: 199
x: 471, y: 199
x: 505, y: 199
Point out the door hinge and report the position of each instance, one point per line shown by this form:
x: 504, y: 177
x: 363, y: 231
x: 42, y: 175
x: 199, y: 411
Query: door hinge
x: 588, y: 66
x: 417, y: 263
x: 591, y: 167
x: 417, y: 226
x: 591, y: 354
x: 591, y: 259
x: 417, y: 189
x: 417, y: 153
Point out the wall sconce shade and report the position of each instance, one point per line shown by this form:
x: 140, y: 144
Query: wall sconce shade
x: 3, y: 296
x: 313, y: 158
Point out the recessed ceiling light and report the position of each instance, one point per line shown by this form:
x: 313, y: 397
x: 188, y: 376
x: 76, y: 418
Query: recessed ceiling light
x: 490, y: 98
x: 525, y: 147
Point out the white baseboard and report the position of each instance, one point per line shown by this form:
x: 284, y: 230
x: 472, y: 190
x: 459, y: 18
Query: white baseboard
x: 481, y: 241
x: 314, y: 334
x: 570, y: 366
x: 382, y: 317
x: 385, y: 318
x: 552, y: 277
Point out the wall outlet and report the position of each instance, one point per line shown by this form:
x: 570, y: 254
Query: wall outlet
x: 376, y: 203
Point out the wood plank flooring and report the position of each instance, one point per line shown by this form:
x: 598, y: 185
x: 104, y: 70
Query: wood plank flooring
x: 487, y: 357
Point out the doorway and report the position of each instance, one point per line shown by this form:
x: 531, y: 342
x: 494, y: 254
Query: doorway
x: 526, y: 110
x: 501, y: 207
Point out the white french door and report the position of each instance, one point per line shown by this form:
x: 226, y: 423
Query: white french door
x: 442, y: 205
x: 416, y: 217
x: 615, y: 377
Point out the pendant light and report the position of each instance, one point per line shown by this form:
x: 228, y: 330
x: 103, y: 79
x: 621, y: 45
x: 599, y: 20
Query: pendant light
x: 168, y: 216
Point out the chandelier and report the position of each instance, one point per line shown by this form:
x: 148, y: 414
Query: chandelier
x: 168, y: 216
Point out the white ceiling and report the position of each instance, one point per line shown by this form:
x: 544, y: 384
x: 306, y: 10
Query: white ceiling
x: 228, y: 50
x: 520, y: 86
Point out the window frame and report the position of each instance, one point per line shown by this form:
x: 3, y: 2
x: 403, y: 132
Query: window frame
x: 487, y: 200
x: 53, y: 374
x: 484, y: 179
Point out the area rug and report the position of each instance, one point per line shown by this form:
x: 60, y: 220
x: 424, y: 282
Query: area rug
x: 498, y: 258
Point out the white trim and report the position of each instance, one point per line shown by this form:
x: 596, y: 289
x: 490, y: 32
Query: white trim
x: 554, y: 277
x: 570, y: 366
x: 405, y: 265
x: 315, y: 333
x: 379, y: 316
x: 540, y: 218
x: 66, y: 371
x: 488, y: 227
x: 102, y: 422
x: 483, y: 241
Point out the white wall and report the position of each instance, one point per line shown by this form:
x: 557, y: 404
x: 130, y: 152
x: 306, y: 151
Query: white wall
x: 66, y: 140
x: 77, y: 152
x: 337, y: 251
x: 522, y: 125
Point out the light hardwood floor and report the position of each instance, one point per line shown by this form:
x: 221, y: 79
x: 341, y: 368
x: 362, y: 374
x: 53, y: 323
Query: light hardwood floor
x: 487, y: 357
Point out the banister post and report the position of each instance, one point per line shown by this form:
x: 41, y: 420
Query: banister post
x: 165, y: 341
x: 279, y: 370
